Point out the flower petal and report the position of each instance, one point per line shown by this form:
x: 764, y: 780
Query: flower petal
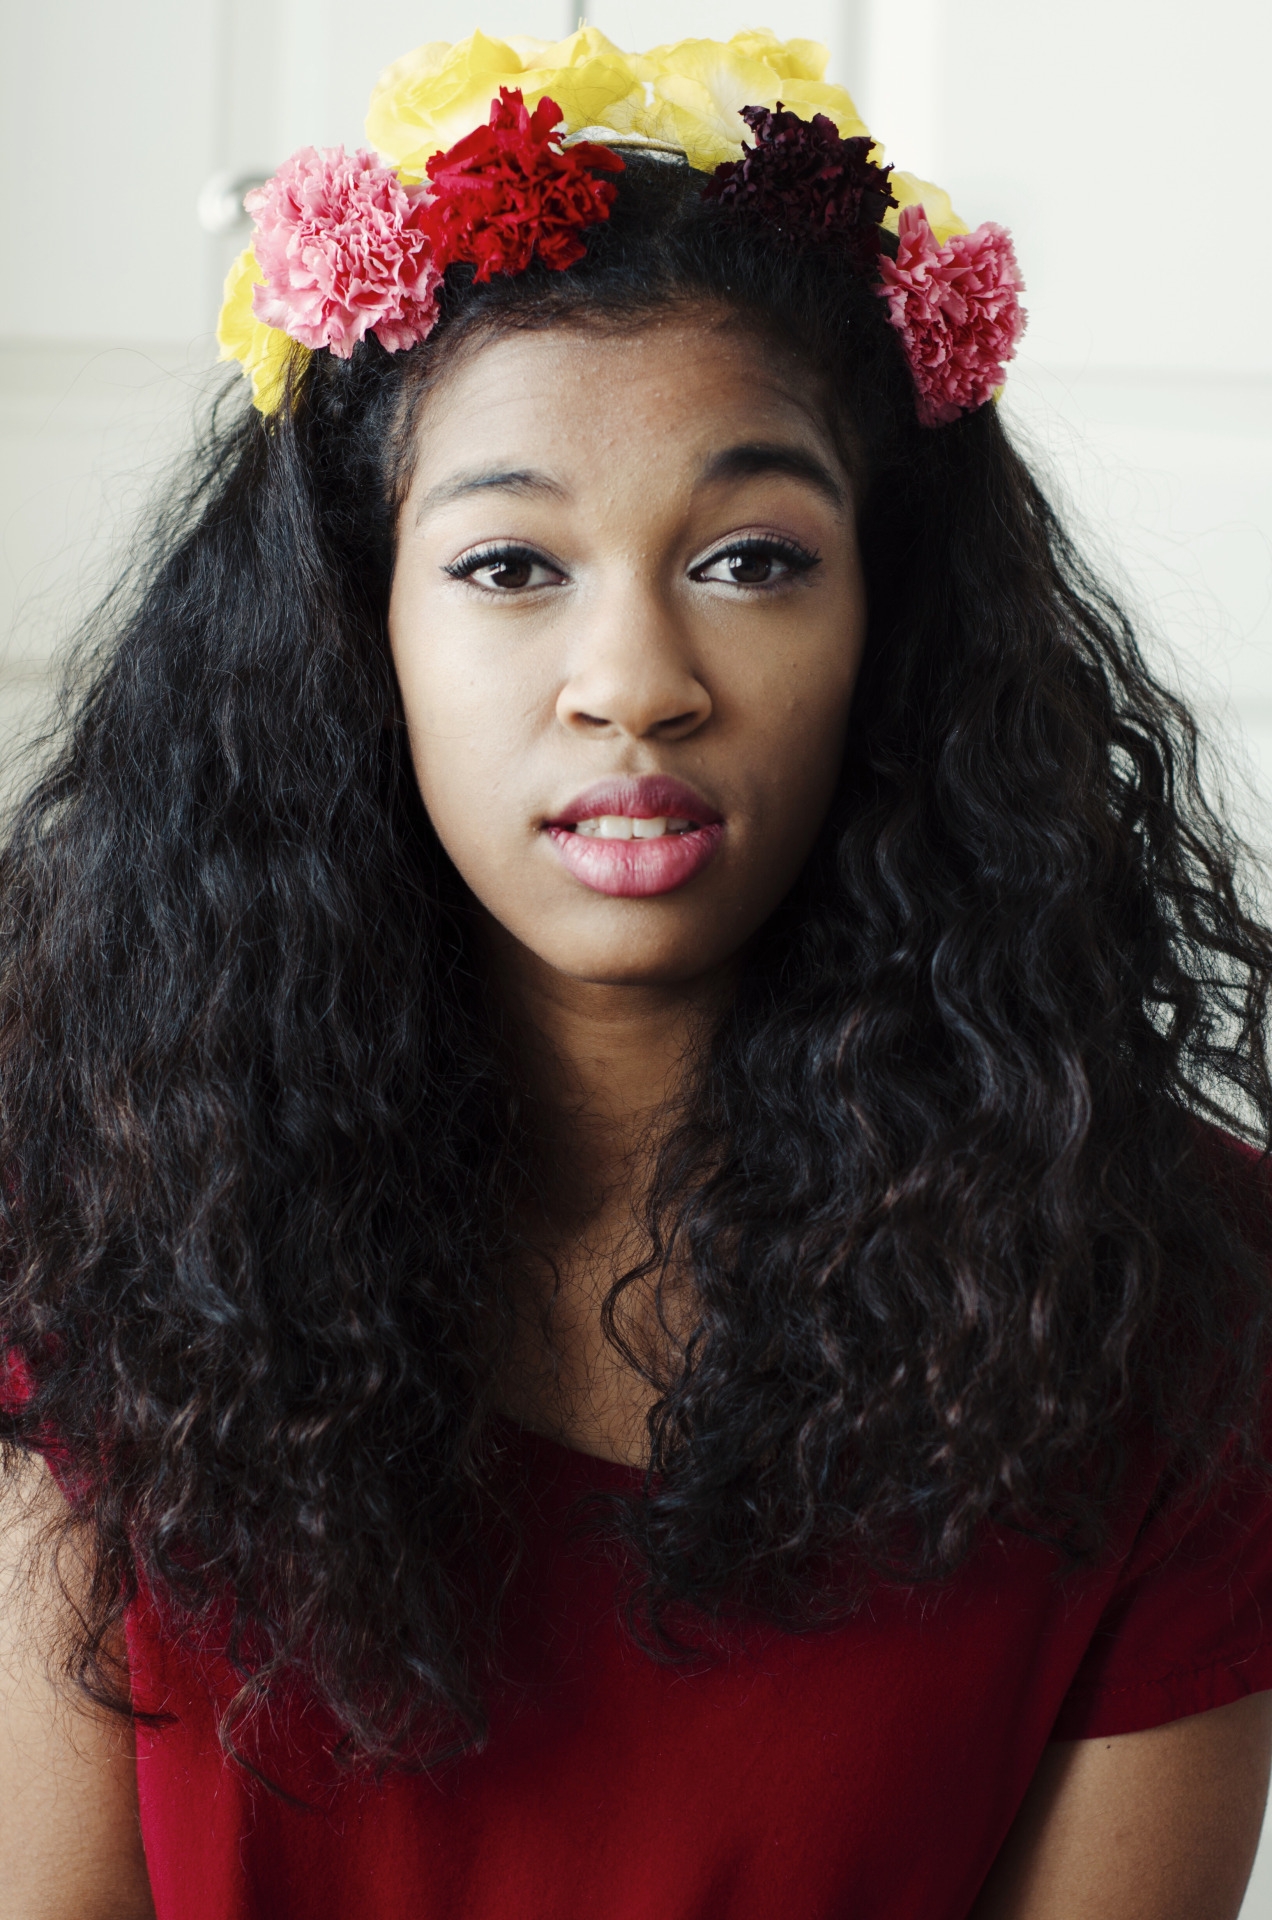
x: 807, y: 97
x: 910, y: 191
x: 957, y: 310
x: 789, y: 59
x: 431, y: 99
x: 264, y: 353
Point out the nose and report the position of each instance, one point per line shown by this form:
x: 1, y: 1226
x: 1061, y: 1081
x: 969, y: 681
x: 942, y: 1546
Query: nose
x: 633, y: 673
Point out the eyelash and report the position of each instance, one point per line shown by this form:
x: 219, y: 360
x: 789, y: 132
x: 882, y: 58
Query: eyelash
x: 766, y: 546
x: 471, y: 563
x: 763, y: 546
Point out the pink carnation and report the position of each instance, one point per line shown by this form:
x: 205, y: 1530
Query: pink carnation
x: 957, y: 311
x: 344, y: 251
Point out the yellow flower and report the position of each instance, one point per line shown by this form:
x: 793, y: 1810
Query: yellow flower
x: 432, y: 97
x: 700, y: 87
x: 789, y: 59
x: 910, y: 191
x: 807, y: 97
x: 265, y: 353
x: 687, y: 93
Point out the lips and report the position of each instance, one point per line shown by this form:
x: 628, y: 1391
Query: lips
x: 686, y: 833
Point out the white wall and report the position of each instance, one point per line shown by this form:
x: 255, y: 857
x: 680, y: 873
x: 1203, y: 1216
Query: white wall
x: 108, y: 128
x: 1124, y: 141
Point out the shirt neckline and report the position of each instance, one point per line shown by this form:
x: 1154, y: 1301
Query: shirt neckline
x: 566, y: 1463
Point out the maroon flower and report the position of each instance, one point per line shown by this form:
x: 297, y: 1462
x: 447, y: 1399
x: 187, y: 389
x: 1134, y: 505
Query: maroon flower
x: 803, y: 179
x: 508, y: 191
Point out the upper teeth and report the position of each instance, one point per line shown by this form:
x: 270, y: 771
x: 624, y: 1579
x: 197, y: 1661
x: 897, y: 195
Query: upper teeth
x: 622, y: 826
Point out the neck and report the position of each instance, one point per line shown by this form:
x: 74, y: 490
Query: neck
x: 604, y: 1065
x: 603, y: 1069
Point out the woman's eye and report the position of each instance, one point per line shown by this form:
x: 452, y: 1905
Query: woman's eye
x: 758, y: 565
x: 510, y: 571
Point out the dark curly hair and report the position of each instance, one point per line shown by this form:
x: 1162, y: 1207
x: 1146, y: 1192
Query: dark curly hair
x: 963, y: 1229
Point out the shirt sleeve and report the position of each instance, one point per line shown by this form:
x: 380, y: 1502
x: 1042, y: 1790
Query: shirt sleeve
x: 1188, y: 1625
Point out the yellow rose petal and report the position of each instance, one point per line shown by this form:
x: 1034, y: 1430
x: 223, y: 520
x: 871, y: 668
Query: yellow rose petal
x: 910, y: 191
x: 265, y: 353
x: 528, y: 50
x: 589, y: 43
x: 420, y: 64
x: 695, y: 125
x: 789, y: 59
x: 705, y: 84
x: 687, y: 92
x: 807, y: 97
x: 432, y: 98
x: 732, y: 78
x: 592, y: 86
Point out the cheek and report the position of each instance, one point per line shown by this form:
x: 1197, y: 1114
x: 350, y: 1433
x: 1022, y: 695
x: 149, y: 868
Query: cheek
x: 798, y: 722
x: 465, y: 724
x: 454, y: 749
x: 439, y: 704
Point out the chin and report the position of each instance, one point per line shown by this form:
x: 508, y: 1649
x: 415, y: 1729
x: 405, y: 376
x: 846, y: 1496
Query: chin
x: 630, y: 960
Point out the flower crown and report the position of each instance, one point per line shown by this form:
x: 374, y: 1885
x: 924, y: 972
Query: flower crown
x: 499, y: 154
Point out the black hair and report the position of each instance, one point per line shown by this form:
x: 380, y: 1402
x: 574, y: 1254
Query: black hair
x: 961, y: 1226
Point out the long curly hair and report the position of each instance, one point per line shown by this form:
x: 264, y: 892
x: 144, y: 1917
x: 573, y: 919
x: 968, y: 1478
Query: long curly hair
x: 950, y: 1183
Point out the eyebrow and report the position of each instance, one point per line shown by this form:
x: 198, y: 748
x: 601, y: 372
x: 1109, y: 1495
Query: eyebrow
x: 743, y: 462
x: 762, y: 456
x: 520, y: 480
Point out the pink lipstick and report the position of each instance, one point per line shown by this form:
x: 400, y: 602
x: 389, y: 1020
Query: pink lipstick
x: 634, y: 837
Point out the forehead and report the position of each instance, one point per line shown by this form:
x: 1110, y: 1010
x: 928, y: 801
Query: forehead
x: 679, y: 383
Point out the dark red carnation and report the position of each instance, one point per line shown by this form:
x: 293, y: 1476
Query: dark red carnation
x: 508, y: 192
x: 803, y: 179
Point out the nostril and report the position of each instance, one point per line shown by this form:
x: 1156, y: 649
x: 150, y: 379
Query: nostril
x: 633, y: 709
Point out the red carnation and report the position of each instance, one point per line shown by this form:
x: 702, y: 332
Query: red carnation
x: 803, y: 179
x: 509, y: 191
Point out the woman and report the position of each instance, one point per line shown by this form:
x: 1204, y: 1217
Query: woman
x: 629, y: 1284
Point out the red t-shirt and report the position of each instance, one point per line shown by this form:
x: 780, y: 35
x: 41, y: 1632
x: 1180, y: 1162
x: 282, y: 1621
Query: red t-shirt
x: 872, y: 1769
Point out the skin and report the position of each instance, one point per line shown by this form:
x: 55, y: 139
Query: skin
x: 622, y: 658
x: 70, y: 1838
x: 1161, y: 1825
x: 625, y: 651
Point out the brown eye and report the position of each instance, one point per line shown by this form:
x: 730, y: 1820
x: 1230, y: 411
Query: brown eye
x: 750, y: 569
x: 506, y: 570
x: 755, y: 563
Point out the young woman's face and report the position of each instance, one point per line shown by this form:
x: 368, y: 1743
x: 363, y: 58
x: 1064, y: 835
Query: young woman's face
x: 627, y: 615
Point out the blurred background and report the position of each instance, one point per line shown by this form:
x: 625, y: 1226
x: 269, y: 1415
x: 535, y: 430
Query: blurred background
x: 1125, y: 142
